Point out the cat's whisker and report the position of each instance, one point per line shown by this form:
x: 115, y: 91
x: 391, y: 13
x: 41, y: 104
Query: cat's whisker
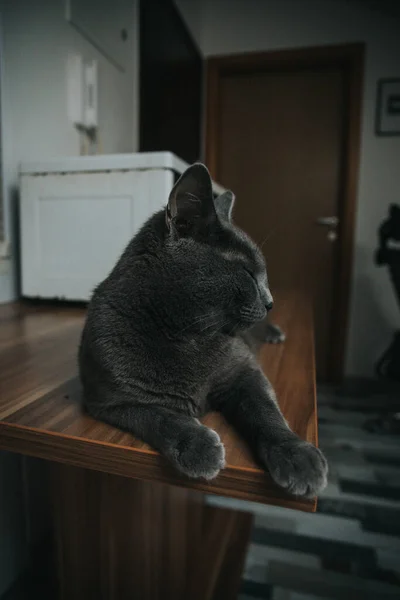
x: 267, y: 237
x: 218, y: 324
x: 214, y: 324
x: 220, y: 327
x: 198, y: 320
x: 232, y: 329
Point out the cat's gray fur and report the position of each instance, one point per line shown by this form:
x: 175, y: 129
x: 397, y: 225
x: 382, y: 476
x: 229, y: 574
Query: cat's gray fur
x: 169, y: 335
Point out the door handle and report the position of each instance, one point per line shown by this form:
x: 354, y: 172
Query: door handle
x: 331, y: 222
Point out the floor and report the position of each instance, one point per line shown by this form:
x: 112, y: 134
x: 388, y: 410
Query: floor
x: 350, y: 549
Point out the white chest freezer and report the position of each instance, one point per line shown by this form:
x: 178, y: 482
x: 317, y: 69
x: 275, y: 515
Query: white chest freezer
x: 79, y: 213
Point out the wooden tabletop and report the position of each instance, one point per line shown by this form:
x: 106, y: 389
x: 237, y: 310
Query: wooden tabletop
x: 41, y: 404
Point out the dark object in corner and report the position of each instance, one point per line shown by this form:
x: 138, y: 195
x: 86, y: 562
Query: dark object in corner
x: 389, y: 364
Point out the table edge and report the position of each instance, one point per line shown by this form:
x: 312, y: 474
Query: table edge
x: 235, y: 482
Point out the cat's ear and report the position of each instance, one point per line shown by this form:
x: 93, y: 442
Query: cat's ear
x: 224, y: 205
x: 190, y: 204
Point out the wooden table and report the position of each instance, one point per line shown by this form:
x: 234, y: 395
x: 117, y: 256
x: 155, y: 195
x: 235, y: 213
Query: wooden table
x: 127, y: 525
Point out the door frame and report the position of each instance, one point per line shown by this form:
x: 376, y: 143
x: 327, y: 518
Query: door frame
x: 350, y: 58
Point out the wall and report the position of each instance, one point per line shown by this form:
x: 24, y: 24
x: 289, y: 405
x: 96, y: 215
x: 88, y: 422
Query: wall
x: 192, y: 12
x: 234, y: 26
x: 36, y: 41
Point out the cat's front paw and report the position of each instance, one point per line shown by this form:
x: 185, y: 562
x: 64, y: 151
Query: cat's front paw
x: 297, y: 466
x: 274, y: 334
x: 200, y: 454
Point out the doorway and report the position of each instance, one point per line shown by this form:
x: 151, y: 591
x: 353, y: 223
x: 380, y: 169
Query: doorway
x: 171, y: 82
x: 283, y: 133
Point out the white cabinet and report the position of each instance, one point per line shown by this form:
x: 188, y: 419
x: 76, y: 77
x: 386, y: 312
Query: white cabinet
x: 78, y: 214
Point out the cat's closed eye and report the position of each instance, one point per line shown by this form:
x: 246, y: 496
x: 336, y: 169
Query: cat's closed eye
x: 249, y: 272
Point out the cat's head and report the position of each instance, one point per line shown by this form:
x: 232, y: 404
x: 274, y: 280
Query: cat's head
x: 220, y: 273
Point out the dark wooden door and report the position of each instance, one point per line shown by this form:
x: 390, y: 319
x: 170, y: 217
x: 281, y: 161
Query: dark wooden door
x: 280, y: 149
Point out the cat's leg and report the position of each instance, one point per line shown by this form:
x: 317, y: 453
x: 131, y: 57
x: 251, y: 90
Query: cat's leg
x: 194, y: 449
x: 266, y: 332
x: 248, y: 402
x: 273, y: 334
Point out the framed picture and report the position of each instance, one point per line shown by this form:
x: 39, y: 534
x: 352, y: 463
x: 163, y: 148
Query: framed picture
x: 388, y: 107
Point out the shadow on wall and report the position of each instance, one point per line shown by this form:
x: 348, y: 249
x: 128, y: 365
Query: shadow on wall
x: 15, y: 228
x: 373, y: 328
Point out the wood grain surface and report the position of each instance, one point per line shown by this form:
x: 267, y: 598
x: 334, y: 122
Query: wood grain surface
x: 41, y: 410
x: 120, y: 538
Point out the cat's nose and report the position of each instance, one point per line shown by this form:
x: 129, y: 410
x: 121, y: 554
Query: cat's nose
x: 268, y: 300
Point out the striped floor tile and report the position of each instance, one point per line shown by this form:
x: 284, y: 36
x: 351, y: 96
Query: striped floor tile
x: 349, y: 549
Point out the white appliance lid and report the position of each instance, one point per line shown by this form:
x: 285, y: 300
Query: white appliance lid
x: 110, y: 162
x: 106, y: 162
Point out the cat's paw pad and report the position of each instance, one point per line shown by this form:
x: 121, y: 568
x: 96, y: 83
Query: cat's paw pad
x: 274, y: 335
x: 297, y: 466
x: 200, y: 454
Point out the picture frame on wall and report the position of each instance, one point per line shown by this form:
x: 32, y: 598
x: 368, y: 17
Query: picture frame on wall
x: 387, y: 118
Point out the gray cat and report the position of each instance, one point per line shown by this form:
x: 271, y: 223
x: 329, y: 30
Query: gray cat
x: 169, y: 335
